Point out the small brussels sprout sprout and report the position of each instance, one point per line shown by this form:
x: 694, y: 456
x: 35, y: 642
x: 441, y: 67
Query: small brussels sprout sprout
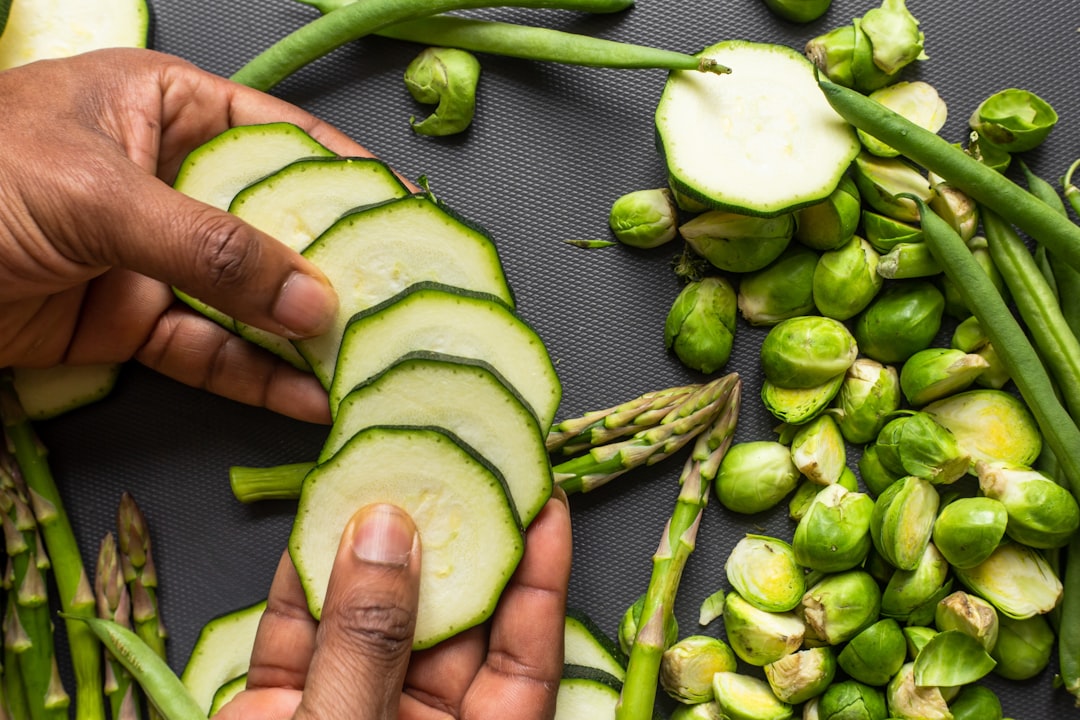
x: 446, y: 77
x: 782, y: 290
x: 916, y: 637
x: 831, y: 223
x: 697, y: 711
x: 976, y: 702
x: 755, y: 475
x: 970, y: 337
x: 738, y: 243
x: 955, y: 207
x: 818, y: 450
x: 760, y: 637
x: 846, y: 279
x: 870, y: 393
x: 807, y: 351
x: 876, y: 476
x: 906, y: 261
x: 631, y: 621
x: 876, y: 654
x: 800, y: 11
x: 951, y: 658
x: 934, y: 373
x: 808, y: 490
x: 903, y: 521
x: 906, y: 699
x: 884, y: 233
x: 644, y: 218
x: 918, y: 445
x: 911, y: 590
x: 904, y: 318
x: 1041, y: 513
x: 700, y: 327
x: 687, y: 667
x: 894, y: 36
x: 970, y: 614
x: 1023, y: 647
x: 763, y: 571
x: 840, y: 606
x: 799, y: 405
x: 834, y: 534
x: 990, y: 425
x: 1014, y: 120
x: 968, y: 529
x: 832, y: 52
x: 797, y: 677
x: 852, y: 700
x: 885, y: 184
x: 916, y: 101
x: 744, y: 697
x: 1015, y: 579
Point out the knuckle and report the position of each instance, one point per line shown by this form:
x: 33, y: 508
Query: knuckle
x: 228, y: 251
x: 382, y: 630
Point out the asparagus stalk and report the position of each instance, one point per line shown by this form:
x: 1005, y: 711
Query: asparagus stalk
x: 638, y: 696
x: 76, y: 596
x: 648, y: 446
x: 15, y: 700
x: 137, y: 561
x: 114, y: 603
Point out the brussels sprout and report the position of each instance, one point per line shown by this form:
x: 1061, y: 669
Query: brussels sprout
x: 918, y: 445
x: 1023, y: 647
x: 644, y: 218
x: 799, y: 405
x: 917, y: 101
x: 797, y: 677
x: 630, y: 621
x: 970, y: 337
x: 887, y: 185
x: 760, y: 637
x: 738, y: 243
x: 970, y: 614
x: 1041, y: 513
x: 697, y: 711
x: 894, y: 35
x: 988, y: 153
x: 968, y: 529
x: 876, y: 476
x: 700, y: 327
x: 904, y: 318
x: 1015, y: 579
x: 934, y: 373
x: 846, y: 279
x: 818, y: 450
x: 915, y: 702
x: 756, y: 475
x: 742, y: 697
x: 903, y: 521
x: 990, y: 425
x: 869, y: 394
x: 764, y: 572
x: 852, y: 700
x: 911, y: 590
x: 800, y: 11
x: 782, y: 290
x: 834, y: 534
x: 976, y: 702
x: 1014, y: 120
x: 687, y: 667
x: 831, y: 223
x: 884, y: 233
x: 876, y: 654
x: 906, y: 261
x: 840, y: 606
x: 807, y: 351
x: 951, y: 658
x: 955, y: 207
x: 447, y: 77
x: 916, y: 637
x: 808, y: 490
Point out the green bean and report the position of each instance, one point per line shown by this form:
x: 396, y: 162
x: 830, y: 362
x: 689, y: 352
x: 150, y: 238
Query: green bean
x: 540, y: 43
x: 1068, y: 629
x: 984, y: 185
x: 162, y: 686
x: 355, y: 20
x: 1008, y: 338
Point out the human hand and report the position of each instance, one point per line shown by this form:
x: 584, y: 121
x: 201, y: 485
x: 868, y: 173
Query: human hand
x: 92, y: 236
x: 356, y: 663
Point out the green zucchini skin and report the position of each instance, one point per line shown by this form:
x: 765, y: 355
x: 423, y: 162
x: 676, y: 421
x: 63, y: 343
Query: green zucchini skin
x: 586, y: 645
x: 586, y: 692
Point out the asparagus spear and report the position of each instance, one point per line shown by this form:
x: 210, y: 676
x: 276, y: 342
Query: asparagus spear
x: 638, y: 696
x: 137, y: 561
x: 76, y: 596
x: 114, y: 603
x: 648, y: 446
x: 15, y: 701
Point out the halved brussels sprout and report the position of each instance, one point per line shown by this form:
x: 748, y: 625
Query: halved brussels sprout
x: 876, y: 654
x: 904, y: 318
x: 834, y: 534
x: 887, y: 185
x: 759, y: 637
x: 990, y: 425
x: 799, y: 405
x: 840, y: 606
x: 1023, y: 648
x: 1014, y: 119
x: 738, y: 243
x: 700, y: 326
x: 688, y: 666
x: 908, y: 700
x: 917, y: 636
x: 1041, y: 513
x: 967, y: 530
x: 909, y: 591
x: 917, y: 101
x: 903, y: 521
x: 970, y: 614
x: 743, y: 697
x: 644, y: 218
x: 764, y: 572
x: 846, y: 279
x: 755, y: 475
x: 1015, y: 579
x: 918, y: 445
x: 955, y: 207
x: 697, y: 711
x: 830, y: 223
x: 934, y: 373
x: 884, y: 233
x: 818, y: 450
x: 797, y: 677
x: 782, y: 290
x: 870, y: 393
x: 950, y: 659
x: 852, y: 700
x: 808, y: 490
x: 807, y: 351
x: 905, y: 261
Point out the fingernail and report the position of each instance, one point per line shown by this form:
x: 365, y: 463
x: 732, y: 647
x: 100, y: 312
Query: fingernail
x: 305, y: 306
x: 383, y: 535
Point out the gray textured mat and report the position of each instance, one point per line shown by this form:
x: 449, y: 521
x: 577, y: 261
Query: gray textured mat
x: 549, y: 150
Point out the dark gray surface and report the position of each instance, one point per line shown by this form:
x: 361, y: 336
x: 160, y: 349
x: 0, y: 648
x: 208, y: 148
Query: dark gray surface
x: 550, y: 148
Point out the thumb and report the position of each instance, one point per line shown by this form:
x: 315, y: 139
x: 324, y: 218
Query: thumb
x: 366, y: 632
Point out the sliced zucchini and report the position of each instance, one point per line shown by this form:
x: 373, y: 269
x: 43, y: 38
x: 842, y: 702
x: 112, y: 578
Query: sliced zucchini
x: 586, y: 692
x: 438, y: 318
x: 48, y: 392
x: 227, y: 692
x: 222, y: 653
x: 373, y: 253
x: 760, y: 141
x: 43, y: 29
x: 586, y: 645
x: 466, y: 397
x: 299, y: 202
x: 471, y: 537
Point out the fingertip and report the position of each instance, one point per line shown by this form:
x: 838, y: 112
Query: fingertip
x: 305, y: 305
x: 383, y: 534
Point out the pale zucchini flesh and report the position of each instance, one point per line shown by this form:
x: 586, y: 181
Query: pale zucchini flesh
x: 221, y: 653
x: 586, y: 645
x: 44, y: 29
x: 48, y: 392
x: 760, y: 141
x: 374, y: 253
x: 586, y: 693
x: 448, y: 320
x: 471, y: 537
x: 469, y: 399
